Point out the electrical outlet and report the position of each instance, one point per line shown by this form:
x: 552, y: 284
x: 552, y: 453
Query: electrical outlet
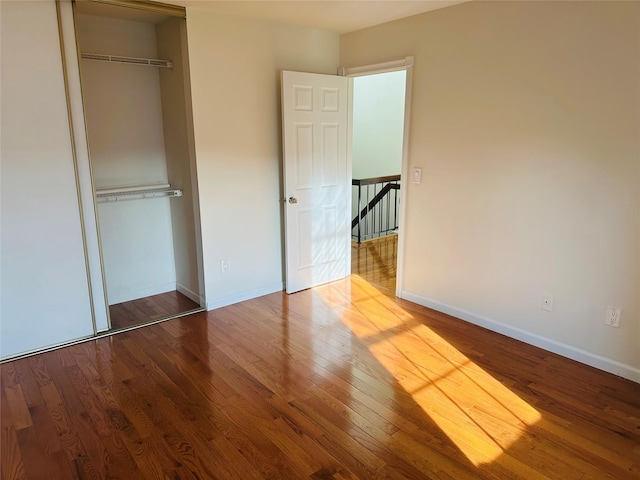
x: 225, y: 266
x: 613, y: 317
x: 546, y: 302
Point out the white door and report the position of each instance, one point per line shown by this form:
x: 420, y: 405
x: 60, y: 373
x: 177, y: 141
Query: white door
x: 316, y: 179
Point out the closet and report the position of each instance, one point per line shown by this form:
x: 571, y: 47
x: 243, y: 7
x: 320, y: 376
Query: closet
x: 135, y: 90
x: 98, y: 220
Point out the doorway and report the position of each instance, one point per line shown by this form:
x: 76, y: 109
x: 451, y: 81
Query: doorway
x: 377, y: 135
x: 317, y: 235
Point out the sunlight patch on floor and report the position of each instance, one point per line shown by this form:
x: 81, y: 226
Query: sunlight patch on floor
x: 480, y: 415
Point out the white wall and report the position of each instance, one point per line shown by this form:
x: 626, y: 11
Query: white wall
x: 124, y: 122
x: 122, y: 102
x: 378, y: 124
x: 526, y: 123
x: 235, y: 70
x: 44, y: 295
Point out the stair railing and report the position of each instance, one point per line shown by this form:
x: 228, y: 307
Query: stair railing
x: 377, y: 205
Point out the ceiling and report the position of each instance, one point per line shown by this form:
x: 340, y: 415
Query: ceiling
x: 340, y: 16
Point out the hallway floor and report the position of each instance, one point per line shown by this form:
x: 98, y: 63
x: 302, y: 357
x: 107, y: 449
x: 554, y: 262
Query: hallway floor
x: 375, y: 261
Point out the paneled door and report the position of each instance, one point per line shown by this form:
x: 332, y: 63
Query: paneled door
x: 316, y: 179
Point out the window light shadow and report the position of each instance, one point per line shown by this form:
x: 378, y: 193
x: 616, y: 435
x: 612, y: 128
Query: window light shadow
x: 480, y: 415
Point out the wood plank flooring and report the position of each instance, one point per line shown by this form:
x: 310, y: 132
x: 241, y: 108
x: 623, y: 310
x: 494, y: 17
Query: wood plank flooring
x: 141, y: 310
x: 343, y: 381
x: 375, y: 261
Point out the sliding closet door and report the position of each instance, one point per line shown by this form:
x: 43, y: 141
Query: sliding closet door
x: 44, y: 292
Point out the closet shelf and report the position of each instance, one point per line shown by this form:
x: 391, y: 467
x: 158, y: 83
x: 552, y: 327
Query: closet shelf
x: 136, y: 192
x: 149, y: 62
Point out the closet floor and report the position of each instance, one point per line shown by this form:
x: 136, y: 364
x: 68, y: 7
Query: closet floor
x: 141, y: 310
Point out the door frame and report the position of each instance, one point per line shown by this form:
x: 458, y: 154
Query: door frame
x: 405, y: 64
x: 91, y: 220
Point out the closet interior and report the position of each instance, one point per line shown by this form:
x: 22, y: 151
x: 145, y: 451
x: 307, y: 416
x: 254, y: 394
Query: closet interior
x: 136, y: 94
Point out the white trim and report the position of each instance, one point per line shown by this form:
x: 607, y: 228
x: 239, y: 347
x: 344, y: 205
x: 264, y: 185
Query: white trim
x: 608, y: 365
x: 242, y: 296
x: 188, y: 293
x: 404, y: 175
x: 349, y: 172
x: 392, y: 66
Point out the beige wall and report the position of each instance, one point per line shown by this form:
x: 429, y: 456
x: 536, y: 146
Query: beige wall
x: 526, y: 122
x: 178, y: 140
x: 235, y: 69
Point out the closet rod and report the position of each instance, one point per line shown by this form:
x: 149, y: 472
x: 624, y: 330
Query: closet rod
x: 136, y: 192
x: 148, y: 62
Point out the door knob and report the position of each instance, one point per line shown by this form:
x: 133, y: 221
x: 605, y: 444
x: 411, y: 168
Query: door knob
x: 293, y: 200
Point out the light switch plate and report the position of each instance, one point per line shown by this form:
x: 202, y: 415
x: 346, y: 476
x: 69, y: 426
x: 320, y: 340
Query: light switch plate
x: 417, y: 175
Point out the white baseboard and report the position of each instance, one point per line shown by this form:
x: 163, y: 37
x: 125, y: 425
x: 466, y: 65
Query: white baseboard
x: 608, y: 365
x: 242, y: 296
x: 132, y: 294
x: 188, y: 293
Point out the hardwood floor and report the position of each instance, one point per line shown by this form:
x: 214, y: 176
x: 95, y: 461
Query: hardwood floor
x: 343, y: 381
x: 135, y: 312
x: 375, y: 261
